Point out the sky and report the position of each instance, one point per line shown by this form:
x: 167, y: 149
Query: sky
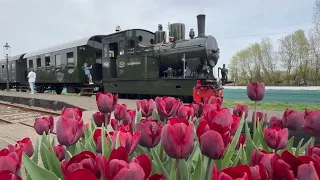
x: 30, y: 25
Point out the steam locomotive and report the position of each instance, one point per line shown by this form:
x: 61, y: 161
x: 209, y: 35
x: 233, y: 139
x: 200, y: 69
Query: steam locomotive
x: 134, y: 63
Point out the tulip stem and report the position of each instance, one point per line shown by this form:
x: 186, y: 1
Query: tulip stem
x: 208, y: 169
x: 255, y: 114
x: 178, y: 169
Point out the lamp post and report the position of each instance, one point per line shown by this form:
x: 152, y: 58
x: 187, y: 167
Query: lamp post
x: 7, y: 49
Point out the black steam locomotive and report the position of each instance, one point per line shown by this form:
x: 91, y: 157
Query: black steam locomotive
x: 132, y: 63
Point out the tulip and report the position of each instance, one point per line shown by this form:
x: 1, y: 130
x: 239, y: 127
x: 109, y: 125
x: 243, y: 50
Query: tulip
x: 177, y: 138
x: 293, y: 120
x: 259, y: 117
x: 258, y: 172
x: 144, y: 161
x: 209, y: 107
x: 307, y: 172
x: 240, y: 109
x: 150, y: 133
x: 255, y: 91
x: 267, y: 161
x: 167, y: 106
x: 276, y: 138
x: 81, y: 174
x: 274, y: 121
x: 128, y: 140
x: 235, y: 124
x: 115, y: 125
x: 69, y: 130
x: 72, y: 113
x: 100, y: 118
x: 59, y: 151
x: 130, y: 116
x: 25, y: 145
x: 215, y: 100
x: 241, y: 140
x: 157, y: 177
x: 146, y: 107
x: 44, y: 125
x: 198, y: 109
x: 213, y: 139
x: 106, y: 102
x: 97, y: 139
x: 312, y: 125
x: 10, y: 161
x: 83, y: 160
x: 222, y: 117
x: 120, y: 111
x: 282, y: 170
x: 186, y: 111
x: 238, y: 172
x: 7, y: 175
x: 313, y: 150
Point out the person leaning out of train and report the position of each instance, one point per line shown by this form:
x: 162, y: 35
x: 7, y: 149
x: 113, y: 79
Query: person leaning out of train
x: 87, y: 72
x: 32, y: 80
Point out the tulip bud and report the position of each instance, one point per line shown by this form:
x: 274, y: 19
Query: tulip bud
x: 255, y: 91
x: 293, y: 120
x: 276, y: 138
x: 100, y: 118
x: 97, y: 139
x: 106, y: 102
x: 115, y: 125
x: 72, y: 113
x: 25, y: 145
x: 60, y: 151
x: 215, y: 100
x: 312, y: 125
x: 69, y: 130
x: 44, y: 125
x: 150, y: 133
x: 10, y: 161
x: 186, y: 111
x: 274, y: 121
x: 120, y: 111
x: 167, y: 106
x: 146, y: 107
x: 81, y: 174
x: 128, y: 140
x: 198, y: 109
x: 235, y: 124
x: 307, y: 171
x: 7, y: 175
x: 130, y: 116
x: 240, y: 109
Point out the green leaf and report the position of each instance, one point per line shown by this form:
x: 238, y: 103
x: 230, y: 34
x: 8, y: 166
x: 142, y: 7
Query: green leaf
x: 173, y: 172
x: 139, y: 116
x: 243, y: 158
x: 43, y: 151
x: 159, y: 163
x: 297, y: 153
x: 168, y: 164
x: 231, y: 148
x: 304, y: 147
x: 36, y: 172
x: 53, y: 161
x: 194, y: 155
x: 198, y: 169
x: 184, y: 169
x: 35, y: 155
x: 104, y: 142
x: 117, y: 140
x: 250, y: 146
x: 155, y: 115
x: 236, y: 159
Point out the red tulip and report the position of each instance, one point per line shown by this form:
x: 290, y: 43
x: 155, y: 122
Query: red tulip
x: 276, y: 138
x: 44, y: 124
x: 282, y: 170
x: 312, y: 123
x: 215, y: 100
x: 150, y: 133
x: 241, y: 141
x: 235, y: 124
x: 146, y: 106
x: 258, y: 172
x: 157, y: 177
x: 115, y: 125
x: 97, y: 139
x: 240, y: 109
x: 216, y: 107
x: 274, y: 121
x: 198, y: 109
x: 307, y: 172
x: 314, y: 150
x: 144, y: 161
x: 7, y: 175
x: 213, y: 139
x: 100, y: 118
x: 186, y: 111
x: 60, y: 151
x: 177, y: 138
x: 83, y: 160
x: 69, y: 130
x: 255, y: 91
x: 268, y: 161
x: 130, y: 116
x: 222, y: 117
x: 72, y: 113
x: 167, y: 106
x: 293, y: 120
x: 10, y: 161
x: 238, y: 172
x: 25, y: 145
x: 106, y: 102
x: 81, y: 174
x: 260, y: 116
x: 120, y: 111
x: 128, y: 140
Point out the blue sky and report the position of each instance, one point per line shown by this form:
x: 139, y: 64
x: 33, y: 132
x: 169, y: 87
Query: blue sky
x: 29, y: 25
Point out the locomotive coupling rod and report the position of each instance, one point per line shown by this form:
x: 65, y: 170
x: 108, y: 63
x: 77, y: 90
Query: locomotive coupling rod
x: 184, y: 65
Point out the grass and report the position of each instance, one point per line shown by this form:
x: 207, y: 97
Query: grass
x: 275, y: 106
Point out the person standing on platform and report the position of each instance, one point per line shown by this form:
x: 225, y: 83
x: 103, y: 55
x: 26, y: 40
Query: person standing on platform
x: 32, y: 80
x: 87, y: 72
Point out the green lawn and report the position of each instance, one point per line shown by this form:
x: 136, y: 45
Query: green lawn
x: 276, y: 106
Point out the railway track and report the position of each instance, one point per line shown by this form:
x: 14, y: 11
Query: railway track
x: 16, y: 113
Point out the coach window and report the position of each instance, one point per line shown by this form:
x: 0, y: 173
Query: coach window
x: 47, y: 60
x: 70, y: 59
x: 58, y: 60
x: 2, y: 68
x: 38, y: 62
x: 131, y: 46
x: 31, y: 63
x: 12, y: 67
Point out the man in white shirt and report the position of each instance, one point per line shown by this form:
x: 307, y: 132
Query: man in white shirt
x: 32, y: 79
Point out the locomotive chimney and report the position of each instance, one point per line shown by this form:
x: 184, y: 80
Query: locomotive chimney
x: 201, y: 18
x: 160, y: 27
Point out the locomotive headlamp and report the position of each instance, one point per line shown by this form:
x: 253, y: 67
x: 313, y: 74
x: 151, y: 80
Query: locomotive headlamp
x: 6, y: 49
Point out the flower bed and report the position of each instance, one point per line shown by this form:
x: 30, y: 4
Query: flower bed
x: 164, y: 139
